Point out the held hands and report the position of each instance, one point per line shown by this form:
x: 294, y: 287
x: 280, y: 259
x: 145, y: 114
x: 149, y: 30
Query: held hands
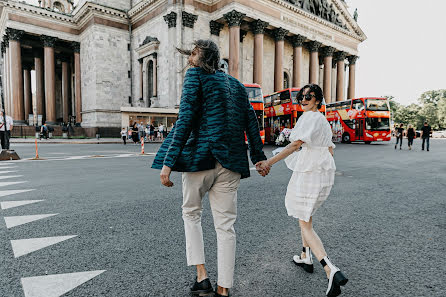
x: 263, y: 167
x: 165, y: 176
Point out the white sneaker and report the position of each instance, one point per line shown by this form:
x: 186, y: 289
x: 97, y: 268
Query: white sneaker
x: 307, y: 262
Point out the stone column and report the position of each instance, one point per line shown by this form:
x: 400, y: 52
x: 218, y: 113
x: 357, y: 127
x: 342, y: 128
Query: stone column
x: 40, y: 87
x: 234, y: 19
x: 50, y: 78
x: 258, y: 28
x: 314, y: 46
x: 77, y: 82
x: 351, y: 77
x: 65, y: 89
x: 18, y: 113
x: 141, y: 79
x: 215, y: 27
x: 5, y: 77
x: 155, y: 75
x: 297, y: 41
x: 173, y: 60
x: 28, y: 97
x: 340, y: 64
x: 327, y: 53
x: 279, y: 36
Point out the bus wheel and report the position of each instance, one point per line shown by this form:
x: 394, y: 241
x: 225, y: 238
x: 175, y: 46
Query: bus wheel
x: 368, y: 142
x: 346, y: 138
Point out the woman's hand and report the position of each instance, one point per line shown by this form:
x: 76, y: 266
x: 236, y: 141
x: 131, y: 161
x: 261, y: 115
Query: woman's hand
x: 263, y: 167
x: 330, y: 149
x: 165, y: 176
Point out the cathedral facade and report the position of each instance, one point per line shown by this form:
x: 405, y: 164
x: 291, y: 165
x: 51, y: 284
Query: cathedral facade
x: 107, y: 63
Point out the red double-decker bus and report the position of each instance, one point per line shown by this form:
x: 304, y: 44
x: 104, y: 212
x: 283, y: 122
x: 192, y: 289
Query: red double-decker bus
x: 255, y: 96
x: 281, y: 111
x: 362, y: 119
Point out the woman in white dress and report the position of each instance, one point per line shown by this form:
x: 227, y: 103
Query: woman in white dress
x: 313, y: 176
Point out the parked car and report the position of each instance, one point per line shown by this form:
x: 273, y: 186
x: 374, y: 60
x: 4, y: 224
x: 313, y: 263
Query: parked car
x: 439, y: 134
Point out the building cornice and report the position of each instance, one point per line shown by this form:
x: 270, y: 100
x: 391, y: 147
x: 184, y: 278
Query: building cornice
x: 341, y: 7
x: 38, y: 11
x: 89, y: 10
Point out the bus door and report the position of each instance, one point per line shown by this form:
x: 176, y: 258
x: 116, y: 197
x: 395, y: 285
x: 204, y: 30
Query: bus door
x: 359, y: 131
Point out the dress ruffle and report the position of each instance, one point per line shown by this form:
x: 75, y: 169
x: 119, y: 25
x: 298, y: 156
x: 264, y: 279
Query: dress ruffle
x: 315, y: 159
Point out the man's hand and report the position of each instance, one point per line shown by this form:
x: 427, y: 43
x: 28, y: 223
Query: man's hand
x: 165, y: 176
x: 263, y: 168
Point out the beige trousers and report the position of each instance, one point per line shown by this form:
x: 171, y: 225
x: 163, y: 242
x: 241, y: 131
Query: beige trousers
x: 222, y: 185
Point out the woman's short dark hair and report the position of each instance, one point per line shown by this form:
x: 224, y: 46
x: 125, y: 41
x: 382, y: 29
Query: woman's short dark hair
x: 317, y: 92
x: 209, y: 58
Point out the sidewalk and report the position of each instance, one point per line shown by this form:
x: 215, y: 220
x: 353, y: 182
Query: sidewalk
x: 73, y: 141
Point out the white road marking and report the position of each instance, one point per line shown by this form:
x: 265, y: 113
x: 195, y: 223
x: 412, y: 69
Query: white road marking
x: 22, y: 247
x: 4, y: 184
x: 12, y: 192
x: 10, y: 204
x: 55, y: 285
x: 9, y: 176
x: 3, y: 172
x: 7, y: 167
x: 21, y: 220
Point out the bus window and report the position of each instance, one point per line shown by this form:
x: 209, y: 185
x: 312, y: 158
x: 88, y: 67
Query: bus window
x: 358, y: 104
x: 377, y: 105
x: 377, y: 124
x: 294, y: 96
x: 267, y: 101
x: 285, y: 97
x: 259, y: 114
x: 254, y: 94
x: 275, y: 99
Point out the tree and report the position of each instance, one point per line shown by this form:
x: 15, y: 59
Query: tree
x: 441, y: 110
x: 432, y: 97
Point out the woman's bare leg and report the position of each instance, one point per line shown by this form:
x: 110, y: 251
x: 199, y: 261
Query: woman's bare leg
x: 313, y: 241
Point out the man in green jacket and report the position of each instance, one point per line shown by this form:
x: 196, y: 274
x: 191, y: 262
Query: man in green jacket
x: 207, y: 144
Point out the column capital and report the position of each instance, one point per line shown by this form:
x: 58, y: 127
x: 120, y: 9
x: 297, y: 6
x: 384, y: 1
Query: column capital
x: 297, y: 40
x: 171, y: 19
x: 216, y: 27
x: 48, y: 41
x: 188, y: 19
x: 339, y: 56
x: 313, y: 46
x: 3, y: 47
x: 352, y: 59
x: 6, y: 40
x: 234, y: 18
x: 259, y: 26
x: 280, y: 33
x: 76, y: 46
x: 328, y: 51
x: 14, y: 34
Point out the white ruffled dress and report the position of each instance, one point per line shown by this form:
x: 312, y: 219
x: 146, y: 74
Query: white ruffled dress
x: 313, y: 167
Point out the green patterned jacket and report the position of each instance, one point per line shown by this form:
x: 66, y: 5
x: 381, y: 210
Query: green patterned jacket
x: 214, y: 115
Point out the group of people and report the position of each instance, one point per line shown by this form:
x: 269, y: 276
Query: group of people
x: 147, y: 132
x: 6, y: 126
x: 210, y: 152
x: 425, y: 134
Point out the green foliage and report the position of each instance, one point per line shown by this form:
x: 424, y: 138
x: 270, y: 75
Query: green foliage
x: 432, y: 109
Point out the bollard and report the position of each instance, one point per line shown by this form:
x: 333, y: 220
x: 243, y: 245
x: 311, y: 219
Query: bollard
x: 37, y: 152
x: 142, y: 145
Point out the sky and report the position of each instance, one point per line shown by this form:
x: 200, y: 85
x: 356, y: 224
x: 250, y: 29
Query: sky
x: 405, y: 51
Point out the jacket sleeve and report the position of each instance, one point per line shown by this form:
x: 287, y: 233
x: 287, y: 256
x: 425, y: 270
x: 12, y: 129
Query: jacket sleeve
x: 255, y: 144
x: 189, y: 108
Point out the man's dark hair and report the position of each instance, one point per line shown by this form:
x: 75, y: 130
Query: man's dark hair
x: 209, y: 58
x: 425, y: 123
x: 312, y: 88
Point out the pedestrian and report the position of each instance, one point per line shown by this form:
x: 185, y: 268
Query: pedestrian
x: 313, y: 177
x: 425, y: 135
x: 135, y: 137
x: 152, y: 132
x: 5, y: 134
x: 124, y: 136
x: 213, y: 160
x: 141, y: 130
x: 410, y: 135
x: 399, y: 131
x: 161, y: 131
x: 44, y: 131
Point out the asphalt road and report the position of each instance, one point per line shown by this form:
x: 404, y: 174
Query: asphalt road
x: 384, y: 224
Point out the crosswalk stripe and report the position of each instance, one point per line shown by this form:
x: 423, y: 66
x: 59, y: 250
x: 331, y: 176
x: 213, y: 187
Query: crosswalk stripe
x: 55, y: 285
x: 22, y: 247
x: 10, y: 204
x: 7, y: 171
x: 21, y: 220
x: 12, y: 192
x: 9, y: 176
x: 4, y: 184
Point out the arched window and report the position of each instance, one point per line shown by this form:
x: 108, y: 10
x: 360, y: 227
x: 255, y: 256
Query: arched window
x: 57, y: 6
x: 286, y: 80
